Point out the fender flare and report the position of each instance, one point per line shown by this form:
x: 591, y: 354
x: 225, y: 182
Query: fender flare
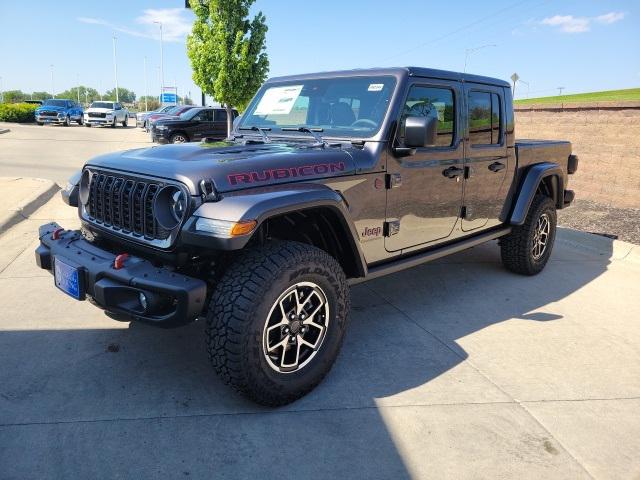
x: 261, y: 204
x: 529, y: 184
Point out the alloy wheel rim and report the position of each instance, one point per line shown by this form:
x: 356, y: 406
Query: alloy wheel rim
x: 296, y: 327
x: 541, y: 237
x: 178, y: 139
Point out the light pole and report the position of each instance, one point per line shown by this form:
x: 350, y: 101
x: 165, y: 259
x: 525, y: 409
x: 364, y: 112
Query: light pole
x: 78, y: 83
x: 469, y: 51
x: 1, y: 92
x: 560, y: 91
x: 115, y: 67
x: 53, y: 91
x: 146, y: 90
x: 161, y: 60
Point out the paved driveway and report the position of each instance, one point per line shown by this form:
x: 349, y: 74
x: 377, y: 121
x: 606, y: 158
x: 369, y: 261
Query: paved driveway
x: 456, y: 369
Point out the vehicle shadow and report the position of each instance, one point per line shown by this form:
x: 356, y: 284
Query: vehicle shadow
x: 134, y: 400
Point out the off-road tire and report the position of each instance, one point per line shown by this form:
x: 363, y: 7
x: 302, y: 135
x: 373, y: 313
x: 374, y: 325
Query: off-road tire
x: 516, y: 248
x: 239, y: 308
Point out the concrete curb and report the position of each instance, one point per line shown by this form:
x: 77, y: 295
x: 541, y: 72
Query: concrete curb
x: 39, y: 197
x: 4, y: 130
x: 615, y: 249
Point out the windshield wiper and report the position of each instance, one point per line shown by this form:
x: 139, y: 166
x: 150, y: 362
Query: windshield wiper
x: 313, y: 131
x: 261, y: 130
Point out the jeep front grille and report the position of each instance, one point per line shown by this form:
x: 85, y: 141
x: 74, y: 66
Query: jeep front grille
x: 125, y: 204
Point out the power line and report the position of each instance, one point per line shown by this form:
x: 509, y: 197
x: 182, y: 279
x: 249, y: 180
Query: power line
x: 458, y: 30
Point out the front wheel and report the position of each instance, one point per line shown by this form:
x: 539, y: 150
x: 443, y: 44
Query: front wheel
x: 276, y: 321
x: 178, y: 138
x: 40, y: 123
x: 80, y: 120
x: 67, y: 121
x: 125, y: 122
x: 526, y: 250
x: 113, y: 124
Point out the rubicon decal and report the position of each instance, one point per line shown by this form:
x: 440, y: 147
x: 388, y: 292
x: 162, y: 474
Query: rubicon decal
x: 282, y: 173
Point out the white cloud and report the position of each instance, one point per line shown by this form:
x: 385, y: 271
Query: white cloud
x: 568, y: 23
x: 571, y: 24
x: 611, y: 17
x: 174, y: 24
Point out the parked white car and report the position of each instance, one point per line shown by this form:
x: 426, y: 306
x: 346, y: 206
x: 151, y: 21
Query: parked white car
x: 106, y: 113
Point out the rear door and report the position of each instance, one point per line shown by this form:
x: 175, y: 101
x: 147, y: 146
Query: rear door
x: 424, y: 193
x: 486, y: 160
x: 220, y: 124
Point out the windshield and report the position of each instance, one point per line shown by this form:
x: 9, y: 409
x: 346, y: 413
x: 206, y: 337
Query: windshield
x: 102, y: 105
x: 343, y: 107
x: 189, y: 113
x: 55, y: 103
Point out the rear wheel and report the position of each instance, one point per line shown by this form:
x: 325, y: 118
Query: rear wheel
x: 526, y: 250
x: 276, y: 321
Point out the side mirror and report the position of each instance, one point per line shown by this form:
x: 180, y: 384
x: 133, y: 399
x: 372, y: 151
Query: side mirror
x: 420, y: 132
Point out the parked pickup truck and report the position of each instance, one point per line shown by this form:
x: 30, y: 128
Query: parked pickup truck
x: 331, y: 179
x: 106, y: 113
x: 59, y: 110
x: 194, y: 124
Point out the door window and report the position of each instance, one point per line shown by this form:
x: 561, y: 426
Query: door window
x: 484, y: 118
x: 204, y: 116
x: 431, y: 102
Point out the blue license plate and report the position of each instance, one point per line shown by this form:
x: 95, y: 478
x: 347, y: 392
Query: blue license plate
x: 67, y: 278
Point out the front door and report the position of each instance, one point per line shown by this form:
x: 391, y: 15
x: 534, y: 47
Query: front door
x: 220, y: 124
x: 425, y: 189
x: 485, y: 157
x: 204, y: 126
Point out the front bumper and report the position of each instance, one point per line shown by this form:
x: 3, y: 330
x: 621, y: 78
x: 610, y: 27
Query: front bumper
x: 50, y: 119
x: 98, y: 120
x: 173, y: 299
x: 159, y: 136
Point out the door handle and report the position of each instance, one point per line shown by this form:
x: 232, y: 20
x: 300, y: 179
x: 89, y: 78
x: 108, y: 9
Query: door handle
x: 452, y: 172
x: 496, y: 166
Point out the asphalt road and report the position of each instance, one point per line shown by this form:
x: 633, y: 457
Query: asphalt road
x: 56, y: 152
x: 455, y: 369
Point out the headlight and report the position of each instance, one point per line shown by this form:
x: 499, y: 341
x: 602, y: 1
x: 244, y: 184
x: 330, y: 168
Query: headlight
x: 170, y: 206
x: 225, y: 228
x: 161, y: 127
x: 85, y: 183
x: 61, y: 114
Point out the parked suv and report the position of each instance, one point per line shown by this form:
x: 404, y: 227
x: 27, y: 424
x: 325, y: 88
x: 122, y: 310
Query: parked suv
x: 331, y: 179
x: 59, y: 110
x: 194, y: 124
x: 106, y: 113
x: 141, y: 117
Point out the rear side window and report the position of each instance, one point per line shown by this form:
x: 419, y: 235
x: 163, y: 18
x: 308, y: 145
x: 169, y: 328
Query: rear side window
x: 484, y: 118
x: 432, y: 102
x: 221, y: 116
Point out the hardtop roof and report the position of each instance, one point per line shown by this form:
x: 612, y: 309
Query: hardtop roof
x: 399, y: 72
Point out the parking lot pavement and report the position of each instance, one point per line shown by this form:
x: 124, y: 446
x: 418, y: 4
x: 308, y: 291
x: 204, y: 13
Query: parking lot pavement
x: 56, y: 152
x: 455, y: 369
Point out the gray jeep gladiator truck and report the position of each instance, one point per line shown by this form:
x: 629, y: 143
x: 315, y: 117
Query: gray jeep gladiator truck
x: 328, y: 180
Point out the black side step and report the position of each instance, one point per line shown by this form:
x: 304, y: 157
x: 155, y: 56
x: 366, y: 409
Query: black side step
x: 403, y: 263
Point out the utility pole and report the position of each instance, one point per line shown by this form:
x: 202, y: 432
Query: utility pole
x: 53, y: 91
x: 78, y: 83
x: 161, y: 60
x: 560, y: 91
x: 115, y: 67
x: 146, y: 90
x: 469, y: 51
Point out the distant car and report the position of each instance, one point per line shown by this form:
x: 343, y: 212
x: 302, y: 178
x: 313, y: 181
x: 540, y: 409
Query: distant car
x: 173, y: 112
x: 59, y: 110
x: 106, y: 113
x: 194, y: 124
x: 141, y: 117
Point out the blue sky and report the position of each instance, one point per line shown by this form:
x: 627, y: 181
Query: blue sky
x: 582, y: 45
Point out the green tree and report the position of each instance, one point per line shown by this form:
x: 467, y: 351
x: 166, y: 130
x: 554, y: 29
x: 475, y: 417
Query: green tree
x: 152, y: 102
x: 14, y: 96
x: 124, y: 95
x: 72, y: 94
x: 227, y: 51
x: 40, y: 95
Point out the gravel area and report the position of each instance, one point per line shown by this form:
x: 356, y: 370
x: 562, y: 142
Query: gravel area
x: 613, y: 222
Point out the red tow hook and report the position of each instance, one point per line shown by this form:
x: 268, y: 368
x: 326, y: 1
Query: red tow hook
x: 56, y: 233
x: 118, y: 263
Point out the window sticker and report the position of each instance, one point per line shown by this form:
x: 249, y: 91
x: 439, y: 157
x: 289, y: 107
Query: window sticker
x: 375, y: 87
x: 278, y: 100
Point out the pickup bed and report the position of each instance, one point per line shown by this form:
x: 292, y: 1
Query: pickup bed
x: 327, y: 180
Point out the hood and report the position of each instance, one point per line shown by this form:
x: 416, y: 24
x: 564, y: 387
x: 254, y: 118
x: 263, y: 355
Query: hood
x: 50, y: 108
x: 233, y: 166
x: 99, y: 110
